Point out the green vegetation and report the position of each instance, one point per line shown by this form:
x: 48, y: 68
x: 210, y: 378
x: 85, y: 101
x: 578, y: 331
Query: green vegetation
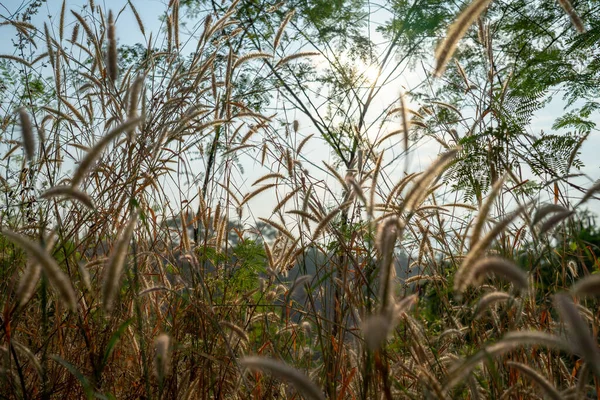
x: 168, y: 229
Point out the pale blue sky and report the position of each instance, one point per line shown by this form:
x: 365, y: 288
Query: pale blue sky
x: 150, y: 11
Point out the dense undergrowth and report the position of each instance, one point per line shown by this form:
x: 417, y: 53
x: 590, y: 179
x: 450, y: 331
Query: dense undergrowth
x: 360, y: 286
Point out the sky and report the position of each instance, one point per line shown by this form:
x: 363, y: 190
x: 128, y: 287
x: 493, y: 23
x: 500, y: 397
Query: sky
x: 423, y: 152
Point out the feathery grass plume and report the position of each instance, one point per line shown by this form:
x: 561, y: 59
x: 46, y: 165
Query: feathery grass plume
x: 95, y: 152
x: 15, y: 58
x: 299, y: 282
x: 86, y: 27
x: 70, y: 192
x: 583, y: 342
x: 337, y: 176
x: 137, y: 17
x: 497, y: 266
x: 303, y: 143
x: 49, y: 44
x: 234, y: 328
x: 27, y: 134
x: 281, y: 29
x: 485, y: 210
x: 296, y: 56
x: 588, y: 286
x: 84, y: 274
x: 545, y: 210
x: 286, y: 198
x: 575, y: 20
x: 279, y: 227
x: 61, y: 25
x: 162, y: 356
x: 510, y: 341
x: 175, y: 14
x: 116, y: 262
x: 112, y: 64
x: 375, y: 330
x: 489, y: 299
x: 456, y: 31
x: 281, y: 370
x: 256, y: 192
x: 289, y: 162
x: 28, y: 282
x: 548, y: 388
x: 464, y: 274
x: 325, y: 222
x: 590, y: 192
x: 250, y: 56
x: 404, y: 305
x: 399, y: 187
x: 405, y: 120
x: 421, y: 186
x: 356, y: 189
x: 388, y: 233
x: 134, y: 95
x: 554, y: 220
x: 55, y: 275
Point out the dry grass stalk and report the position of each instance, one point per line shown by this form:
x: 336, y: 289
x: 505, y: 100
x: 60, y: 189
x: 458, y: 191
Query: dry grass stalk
x: 281, y: 370
x: 69, y: 192
x: 456, y: 31
x: 55, y: 275
x: 548, y: 388
x: 281, y: 29
x: 116, y: 262
x: 583, y: 342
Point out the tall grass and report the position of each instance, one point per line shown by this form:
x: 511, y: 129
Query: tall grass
x: 129, y: 274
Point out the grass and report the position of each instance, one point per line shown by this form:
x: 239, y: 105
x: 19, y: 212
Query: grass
x: 109, y: 290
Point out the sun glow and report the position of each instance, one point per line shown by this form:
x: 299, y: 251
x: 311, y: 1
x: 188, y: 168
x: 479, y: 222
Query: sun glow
x: 370, y: 73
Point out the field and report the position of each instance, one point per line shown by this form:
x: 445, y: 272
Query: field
x: 167, y: 233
